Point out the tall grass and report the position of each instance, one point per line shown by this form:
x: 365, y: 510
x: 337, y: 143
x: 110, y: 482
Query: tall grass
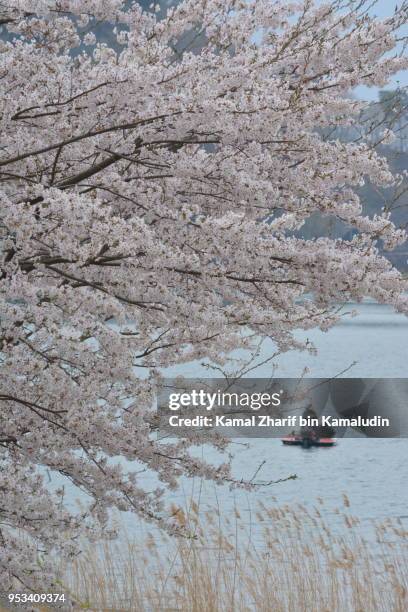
x: 296, y: 563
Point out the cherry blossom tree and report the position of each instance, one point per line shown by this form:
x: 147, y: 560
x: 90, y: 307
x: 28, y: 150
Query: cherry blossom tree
x: 151, y: 203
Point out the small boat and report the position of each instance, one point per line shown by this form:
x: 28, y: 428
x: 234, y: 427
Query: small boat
x: 296, y: 440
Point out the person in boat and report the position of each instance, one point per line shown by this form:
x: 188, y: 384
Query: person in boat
x: 309, y: 432
x: 325, y: 431
x: 314, y: 432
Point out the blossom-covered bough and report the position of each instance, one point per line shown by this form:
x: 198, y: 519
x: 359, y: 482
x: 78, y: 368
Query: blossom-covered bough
x: 151, y: 202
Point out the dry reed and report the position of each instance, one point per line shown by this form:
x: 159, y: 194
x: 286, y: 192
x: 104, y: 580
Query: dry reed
x: 296, y: 563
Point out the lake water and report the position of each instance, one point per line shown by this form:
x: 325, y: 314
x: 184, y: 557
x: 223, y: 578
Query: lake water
x: 376, y: 340
x: 372, y: 472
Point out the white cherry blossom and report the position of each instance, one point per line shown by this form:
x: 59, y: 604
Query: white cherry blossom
x: 151, y: 202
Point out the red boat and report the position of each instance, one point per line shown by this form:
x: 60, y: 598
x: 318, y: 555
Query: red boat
x: 306, y: 442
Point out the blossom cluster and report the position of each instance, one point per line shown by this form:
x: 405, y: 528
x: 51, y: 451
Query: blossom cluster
x: 152, y: 200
